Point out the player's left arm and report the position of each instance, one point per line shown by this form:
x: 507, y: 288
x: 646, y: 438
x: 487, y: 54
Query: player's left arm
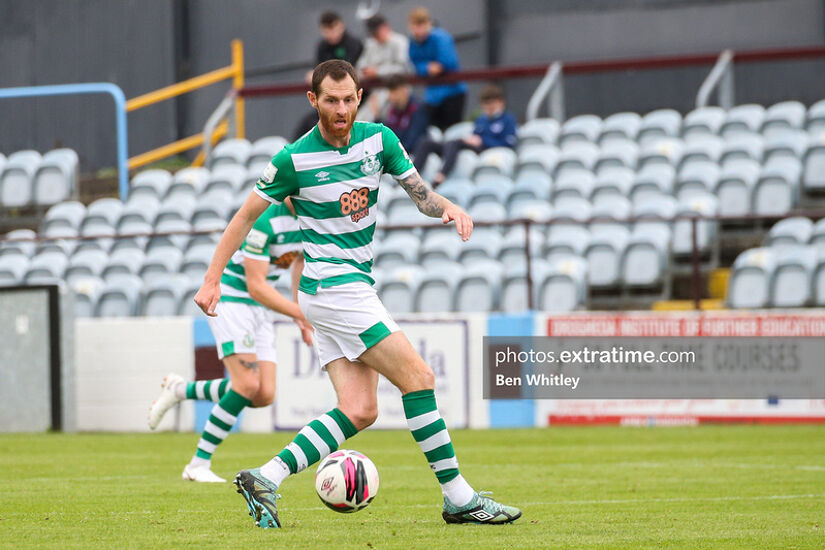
x: 434, y: 205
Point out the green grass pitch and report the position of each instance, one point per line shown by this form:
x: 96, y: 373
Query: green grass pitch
x: 590, y: 487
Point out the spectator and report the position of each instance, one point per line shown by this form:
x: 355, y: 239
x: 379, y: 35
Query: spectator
x: 335, y: 43
x: 405, y: 116
x: 433, y: 53
x: 385, y: 53
x: 494, y: 128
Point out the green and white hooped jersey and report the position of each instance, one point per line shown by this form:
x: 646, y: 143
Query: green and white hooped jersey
x: 275, y: 238
x: 334, y: 191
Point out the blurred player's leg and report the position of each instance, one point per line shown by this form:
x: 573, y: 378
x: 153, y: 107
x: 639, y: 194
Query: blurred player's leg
x: 175, y: 389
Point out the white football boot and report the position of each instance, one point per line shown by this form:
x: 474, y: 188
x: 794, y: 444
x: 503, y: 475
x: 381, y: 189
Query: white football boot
x: 203, y: 474
x: 166, y: 400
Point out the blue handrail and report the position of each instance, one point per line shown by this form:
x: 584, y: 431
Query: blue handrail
x: 90, y: 88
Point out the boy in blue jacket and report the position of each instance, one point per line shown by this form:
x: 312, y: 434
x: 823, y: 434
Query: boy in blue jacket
x: 433, y: 53
x: 494, y: 128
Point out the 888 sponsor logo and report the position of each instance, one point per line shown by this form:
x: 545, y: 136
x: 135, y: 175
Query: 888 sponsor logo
x: 355, y: 203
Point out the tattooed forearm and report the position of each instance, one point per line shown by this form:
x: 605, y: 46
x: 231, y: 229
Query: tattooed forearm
x: 428, y: 201
x: 251, y: 365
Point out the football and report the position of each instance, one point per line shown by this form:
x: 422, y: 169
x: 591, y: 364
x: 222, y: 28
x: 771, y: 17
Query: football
x: 346, y: 481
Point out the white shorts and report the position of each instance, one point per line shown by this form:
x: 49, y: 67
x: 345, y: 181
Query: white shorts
x: 348, y: 319
x: 244, y: 328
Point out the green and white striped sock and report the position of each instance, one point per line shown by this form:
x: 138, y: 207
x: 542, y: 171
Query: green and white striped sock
x: 210, y: 390
x: 223, y: 417
x: 430, y: 432
x: 313, y: 443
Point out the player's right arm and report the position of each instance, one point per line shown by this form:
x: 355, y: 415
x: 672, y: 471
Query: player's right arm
x: 276, y: 183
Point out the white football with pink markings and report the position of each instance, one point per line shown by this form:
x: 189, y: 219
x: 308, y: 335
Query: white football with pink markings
x: 346, y: 481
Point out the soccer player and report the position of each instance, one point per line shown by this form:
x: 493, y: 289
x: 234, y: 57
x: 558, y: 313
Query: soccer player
x: 244, y: 334
x: 331, y: 175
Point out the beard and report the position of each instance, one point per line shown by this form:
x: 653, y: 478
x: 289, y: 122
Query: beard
x: 337, y: 130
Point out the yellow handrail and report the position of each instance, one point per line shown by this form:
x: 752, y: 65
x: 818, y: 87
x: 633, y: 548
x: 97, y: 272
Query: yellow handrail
x: 233, y: 71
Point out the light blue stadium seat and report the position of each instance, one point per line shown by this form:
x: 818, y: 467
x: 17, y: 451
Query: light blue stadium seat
x: 654, y: 207
x: 56, y: 177
x: 196, y: 260
x: 490, y: 188
x: 457, y: 190
x: 68, y: 214
x: 160, y: 262
x: 743, y: 119
x: 514, y: 297
x: 646, y: 258
x: 658, y: 124
x: 262, y: 151
x: 187, y: 306
x: 573, y: 183
x: 226, y: 177
x: 17, y: 178
x: 701, y: 149
x: 540, y: 130
x: 459, y: 130
x: 612, y: 183
x: 818, y: 275
x: 481, y: 246
x: 604, y: 258
x: 813, y: 178
x: 176, y: 234
x: 497, y: 161
x: 105, y: 210
x: 620, y: 127
x: 181, y: 209
x: 777, y: 189
x: 616, y: 154
x: 610, y: 216
x: 18, y: 241
x: 750, y: 277
x: 696, y: 177
x: 123, y: 262
x: 162, y: 296
x: 783, y: 116
x: 436, y: 287
x: 537, y: 210
x: 699, y: 204
x: 139, y: 208
x: 398, y: 248
x: 208, y: 223
x: 119, y: 297
x: 102, y: 232
x: 734, y: 186
x: 571, y: 208
x: 60, y: 239
x: 49, y: 264
x: 156, y: 180
x: 652, y: 181
x: 230, y: 151
x: 818, y: 235
x: 465, y: 164
x: 791, y: 284
x: 86, y: 263
x: 581, y: 128
x: 86, y: 291
x: 565, y: 239
x: 703, y: 121
x: 790, y: 144
x: 440, y: 247
x: 538, y: 157
x: 564, y: 285
x: 488, y: 212
x: 576, y: 156
x: 479, y: 287
x: 398, y: 288
x: 133, y: 235
x: 742, y: 146
x: 797, y: 230
x: 530, y: 186
x: 194, y: 176
x: 216, y: 205
x: 13, y: 268
x: 660, y: 151
x: 514, y: 243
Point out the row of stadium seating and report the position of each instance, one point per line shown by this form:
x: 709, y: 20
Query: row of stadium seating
x: 27, y: 177
x: 788, y: 270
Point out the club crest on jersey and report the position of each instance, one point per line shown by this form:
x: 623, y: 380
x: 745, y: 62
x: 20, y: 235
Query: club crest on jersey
x: 370, y: 165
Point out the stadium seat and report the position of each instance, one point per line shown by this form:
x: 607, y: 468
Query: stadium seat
x: 734, y: 186
x: 160, y: 262
x: 817, y: 277
x: 619, y: 127
x: 187, y: 306
x: 818, y: 235
x: 217, y: 205
x: 140, y: 208
x: 459, y: 130
x: 488, y: 212
x: 750, y: 277
x: 177, y: 235
x: 777, y: 189
x: 102, y: 211
x: 431, y: 167
x: 398, y: 288
x: 64, y: 214
x: 513, y: 245
x: 104, y: 236
x: 576, y: 156
x: 398, y: 248
x: 660, y: 151
x: 698, y: 204
x: 696, y: 177
x: 783, y: 116
x: 604, y: 254
x: 540, y: 130
x: 228, y: 152
x: 156, y: 180
x: 13, y: 268
x: 226, y: 177
x: 703, y: 121
x: 181, y: 208
x: 133, y: 234
x: 571, y: 208
x: 658, y: 124
x: 56, y: 177
x: 86, y: 291
x: 654, y: 207
x: 86, y: 263
x: 215, y: 229
x: 652, y: 181
x: 610, y: 216
x: 564, y: 239
x: 616, y: 154
x: 791, y: 283
x: 815, y: 119
x: 437, y: 286
x: 530, y: 186
x: 743, y: 119
x: 490, y: 188
x: 481, y: 246
x: 496, y: 160
x: 538, y: 157
x: 701, y: 149
x: 457, y: 190
x: 262, y: 151
x: 478, y: 289
x: 742, y: 146
x: 181, y: 190
x: 162, y: 296
x: 465, y: 164
x: 797, y: 230
x: 612, y: 183
x: 581, y: 128
x: 537, y: 210
x: 119, y: 297
x: 646, y: 258
x: 790, y: 145
x: 195, y: 176
x: 514, y: 297
x: 573, y: 183
x: 813, y: 161
x: 563, y: 286
x: 196, y: 260
x: 19, y: 241
x: 50, y: 264
x: 17, y: 178
x: 438, y: 248
x: 61, y: 239
x: 123, y: 262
